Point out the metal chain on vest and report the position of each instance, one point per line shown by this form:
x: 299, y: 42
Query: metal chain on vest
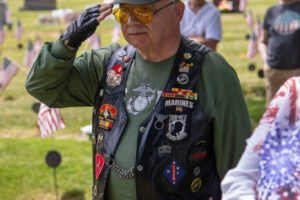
x: 123, y: 173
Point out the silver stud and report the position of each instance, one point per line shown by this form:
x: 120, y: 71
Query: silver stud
x: 139, y: 168
x: 142, y: 129
x: 101, y: 92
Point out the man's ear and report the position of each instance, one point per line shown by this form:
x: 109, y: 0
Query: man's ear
x: 179, y: 10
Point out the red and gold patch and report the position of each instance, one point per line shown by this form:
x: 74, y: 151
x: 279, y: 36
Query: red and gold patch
x: 99, y: 164
x: 107, y: 115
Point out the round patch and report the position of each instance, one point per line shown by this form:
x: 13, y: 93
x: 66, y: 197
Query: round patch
x: 182, y: 79
x: 196, y: 185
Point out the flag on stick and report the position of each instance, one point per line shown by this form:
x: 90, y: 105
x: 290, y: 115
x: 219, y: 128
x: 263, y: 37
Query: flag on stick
x: 116, y: 32
x: 249, y: 19
x: 30, y: 55
x: 257, y: 28
x: 7, y: 15
x: 19, y: 31
x: 2, y: 34
x: 7, y: 72
x: 252, y: 46
x: 49, y: 120
x: 38, y: 44
x: 94, y: 41
x: 242, y: 5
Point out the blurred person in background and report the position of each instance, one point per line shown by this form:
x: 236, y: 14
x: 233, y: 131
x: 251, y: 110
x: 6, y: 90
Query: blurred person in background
x: 270, y: 165
x: 169, y: 117
x: 279, y: 44
x: 201, y: 22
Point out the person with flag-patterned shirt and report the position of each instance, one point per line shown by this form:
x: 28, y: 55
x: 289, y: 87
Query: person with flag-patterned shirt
x: 270, y: 166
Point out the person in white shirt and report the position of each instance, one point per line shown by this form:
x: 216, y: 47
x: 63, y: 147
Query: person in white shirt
x: 202, y: 23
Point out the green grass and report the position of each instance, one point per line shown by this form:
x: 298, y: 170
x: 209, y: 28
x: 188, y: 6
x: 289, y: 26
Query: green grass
x: 23, y: 172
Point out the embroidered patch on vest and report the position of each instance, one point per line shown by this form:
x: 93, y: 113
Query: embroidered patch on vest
x: 114, y: 76
x: 198, y: 153
x: 99, y: 164
x: 164, y: 149
x: 196, y: 185
x: 174, y: 172
x: 107, y: 115
x: 180, y: 94
x: 185, y: 67
x: 177, y: 125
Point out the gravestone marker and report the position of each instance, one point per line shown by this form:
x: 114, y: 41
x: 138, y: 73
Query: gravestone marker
x: 39, y: 5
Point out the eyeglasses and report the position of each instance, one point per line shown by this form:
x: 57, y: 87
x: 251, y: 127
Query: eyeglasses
x: 143, y: 14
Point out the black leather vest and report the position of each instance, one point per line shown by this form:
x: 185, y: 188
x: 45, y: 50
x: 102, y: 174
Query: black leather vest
x: 175, y: 158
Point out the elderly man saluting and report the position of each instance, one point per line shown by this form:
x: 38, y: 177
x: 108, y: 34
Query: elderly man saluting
x: 169, y: 117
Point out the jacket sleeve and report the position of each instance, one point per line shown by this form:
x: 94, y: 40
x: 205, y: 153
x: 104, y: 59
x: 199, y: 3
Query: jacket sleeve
x: 225, y: 108
x: 59, y: 79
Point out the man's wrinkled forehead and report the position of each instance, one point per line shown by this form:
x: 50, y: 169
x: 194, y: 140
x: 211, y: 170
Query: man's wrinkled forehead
x: 134, y: 2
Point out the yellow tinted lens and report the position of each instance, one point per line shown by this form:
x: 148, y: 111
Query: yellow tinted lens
x: 121, y: 14
x: 144, y: 15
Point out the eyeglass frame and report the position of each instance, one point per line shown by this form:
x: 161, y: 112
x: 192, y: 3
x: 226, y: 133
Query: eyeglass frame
x: 156, y: 11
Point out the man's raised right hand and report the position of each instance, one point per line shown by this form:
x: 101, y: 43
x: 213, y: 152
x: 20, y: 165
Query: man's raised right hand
x: 85, y: 25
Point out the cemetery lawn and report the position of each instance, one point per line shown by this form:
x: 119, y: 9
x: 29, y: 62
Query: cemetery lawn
x: 23, y: 172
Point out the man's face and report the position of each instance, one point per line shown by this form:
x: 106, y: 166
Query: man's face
x: 155, y: 32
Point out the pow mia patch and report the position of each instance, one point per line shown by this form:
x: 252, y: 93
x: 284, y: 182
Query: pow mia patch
x: 177, y: 126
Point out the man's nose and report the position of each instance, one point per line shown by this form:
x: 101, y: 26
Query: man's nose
x: 132, y: 19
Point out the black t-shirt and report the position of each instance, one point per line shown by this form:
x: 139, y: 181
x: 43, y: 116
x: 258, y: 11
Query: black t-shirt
x: 283, y: 24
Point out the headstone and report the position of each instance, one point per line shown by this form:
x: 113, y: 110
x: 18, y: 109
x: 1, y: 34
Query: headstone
x: 39, y: 5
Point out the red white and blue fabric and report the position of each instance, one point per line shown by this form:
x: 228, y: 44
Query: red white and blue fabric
x: 49, y: 120
x: 279, y: 165
x: 19, y: 30
x: 30, y: 55
x: 269, y: 168
x: 7, y: 72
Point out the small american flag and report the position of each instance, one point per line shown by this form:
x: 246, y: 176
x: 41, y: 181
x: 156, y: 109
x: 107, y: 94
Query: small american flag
x: 242, y: 5
x: 30, y: 55
x: 7, y: 16
x: 2, y: 34
x: 38, y: 44
x: 8, y: 71
x: 94, y: 41
x: 249, y: 19
x: 19, y: 31
x: 116, y: 32
x: 252, y: 46
x: 49, y: 120
x: 257, y: 27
